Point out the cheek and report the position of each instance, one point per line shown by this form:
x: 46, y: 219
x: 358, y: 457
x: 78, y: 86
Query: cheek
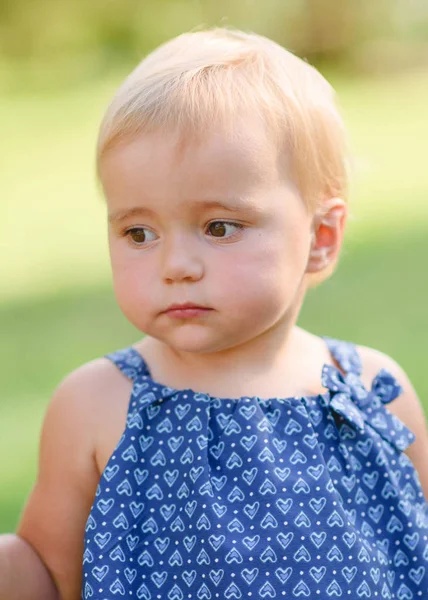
x: 132, y: 285
x: 278, y: 263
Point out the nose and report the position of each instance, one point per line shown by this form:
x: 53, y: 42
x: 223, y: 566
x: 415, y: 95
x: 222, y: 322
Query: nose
x: 181, y: 258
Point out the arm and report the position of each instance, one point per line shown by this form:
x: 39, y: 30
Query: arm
x: 44, y: 560
x: 407, y: 407
x: 17, y: 557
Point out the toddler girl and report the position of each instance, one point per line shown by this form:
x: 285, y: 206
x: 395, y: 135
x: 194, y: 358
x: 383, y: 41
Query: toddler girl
x: 229, y: 454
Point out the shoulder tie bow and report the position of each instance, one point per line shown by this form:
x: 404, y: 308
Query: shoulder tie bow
x: 359, y: 406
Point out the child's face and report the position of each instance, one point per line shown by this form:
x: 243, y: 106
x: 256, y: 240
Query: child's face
x: 181, y: 250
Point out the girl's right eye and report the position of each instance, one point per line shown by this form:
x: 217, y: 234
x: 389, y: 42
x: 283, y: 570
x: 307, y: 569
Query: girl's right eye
x: 138, y: 235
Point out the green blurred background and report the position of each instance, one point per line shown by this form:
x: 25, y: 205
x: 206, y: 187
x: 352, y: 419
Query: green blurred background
x: 60, y: 62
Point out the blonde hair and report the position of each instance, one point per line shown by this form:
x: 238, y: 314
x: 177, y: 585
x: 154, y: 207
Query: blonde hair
x: 205, y: 79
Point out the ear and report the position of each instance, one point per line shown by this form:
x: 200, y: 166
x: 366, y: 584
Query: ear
x: 328, y: 227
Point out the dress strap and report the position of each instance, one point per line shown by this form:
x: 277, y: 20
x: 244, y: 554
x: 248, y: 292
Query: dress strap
x: 345, y: 354
x: 130, y: 362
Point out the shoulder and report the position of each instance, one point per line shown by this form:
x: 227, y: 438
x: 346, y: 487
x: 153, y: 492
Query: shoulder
x: 92, y: 400
x: 85, y: 391
x: 407, y: 406
x: 95, y: 380
x: 374, y: 360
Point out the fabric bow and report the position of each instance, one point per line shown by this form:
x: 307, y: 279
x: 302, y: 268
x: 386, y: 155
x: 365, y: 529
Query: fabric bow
x: 350, y: 399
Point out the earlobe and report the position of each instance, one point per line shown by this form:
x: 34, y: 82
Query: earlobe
x: 318, y: 259
x: 327, y: 233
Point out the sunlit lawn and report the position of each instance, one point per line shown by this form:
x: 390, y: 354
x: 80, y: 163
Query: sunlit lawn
x: 57, y: 308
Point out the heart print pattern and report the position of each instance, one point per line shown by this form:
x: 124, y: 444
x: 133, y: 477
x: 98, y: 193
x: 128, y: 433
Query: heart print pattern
x: 207, y: 498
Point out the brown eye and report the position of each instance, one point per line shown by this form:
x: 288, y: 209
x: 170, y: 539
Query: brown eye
x: 218, y: 229
x: 138, y: 235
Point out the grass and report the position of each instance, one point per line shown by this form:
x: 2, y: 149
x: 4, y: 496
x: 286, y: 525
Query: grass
x: 57, y: 308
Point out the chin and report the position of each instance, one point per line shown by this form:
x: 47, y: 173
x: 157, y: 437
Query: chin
x: 197, y: 342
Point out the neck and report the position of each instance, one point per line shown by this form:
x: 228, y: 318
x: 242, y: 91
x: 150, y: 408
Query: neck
x: 280, y: 349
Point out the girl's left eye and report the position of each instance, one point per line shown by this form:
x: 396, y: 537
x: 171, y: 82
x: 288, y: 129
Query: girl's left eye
x: 220, y: 227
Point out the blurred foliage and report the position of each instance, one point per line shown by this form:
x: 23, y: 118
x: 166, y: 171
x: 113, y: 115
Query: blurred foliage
x: 65, y: 41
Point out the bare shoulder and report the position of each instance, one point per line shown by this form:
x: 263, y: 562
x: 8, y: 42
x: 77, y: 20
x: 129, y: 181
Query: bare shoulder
x: 97, y: 393
x: 82, y: 423
x: 94, y: 377
x: 407, y: 406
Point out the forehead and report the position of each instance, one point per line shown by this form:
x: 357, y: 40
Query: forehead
x: 161, y: 165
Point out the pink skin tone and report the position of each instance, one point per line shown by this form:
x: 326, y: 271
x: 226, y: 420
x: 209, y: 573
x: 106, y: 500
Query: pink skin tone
x: 252, y: 278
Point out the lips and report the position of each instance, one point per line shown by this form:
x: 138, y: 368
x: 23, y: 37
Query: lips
x: 185, y: 306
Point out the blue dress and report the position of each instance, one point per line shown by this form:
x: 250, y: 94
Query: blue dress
x: 214, y: 498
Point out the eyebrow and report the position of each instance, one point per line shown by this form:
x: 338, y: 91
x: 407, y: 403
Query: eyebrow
x: 234, y: 205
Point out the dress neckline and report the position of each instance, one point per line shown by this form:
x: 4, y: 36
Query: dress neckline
x: 345, y: 394
x: 342, y: 353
